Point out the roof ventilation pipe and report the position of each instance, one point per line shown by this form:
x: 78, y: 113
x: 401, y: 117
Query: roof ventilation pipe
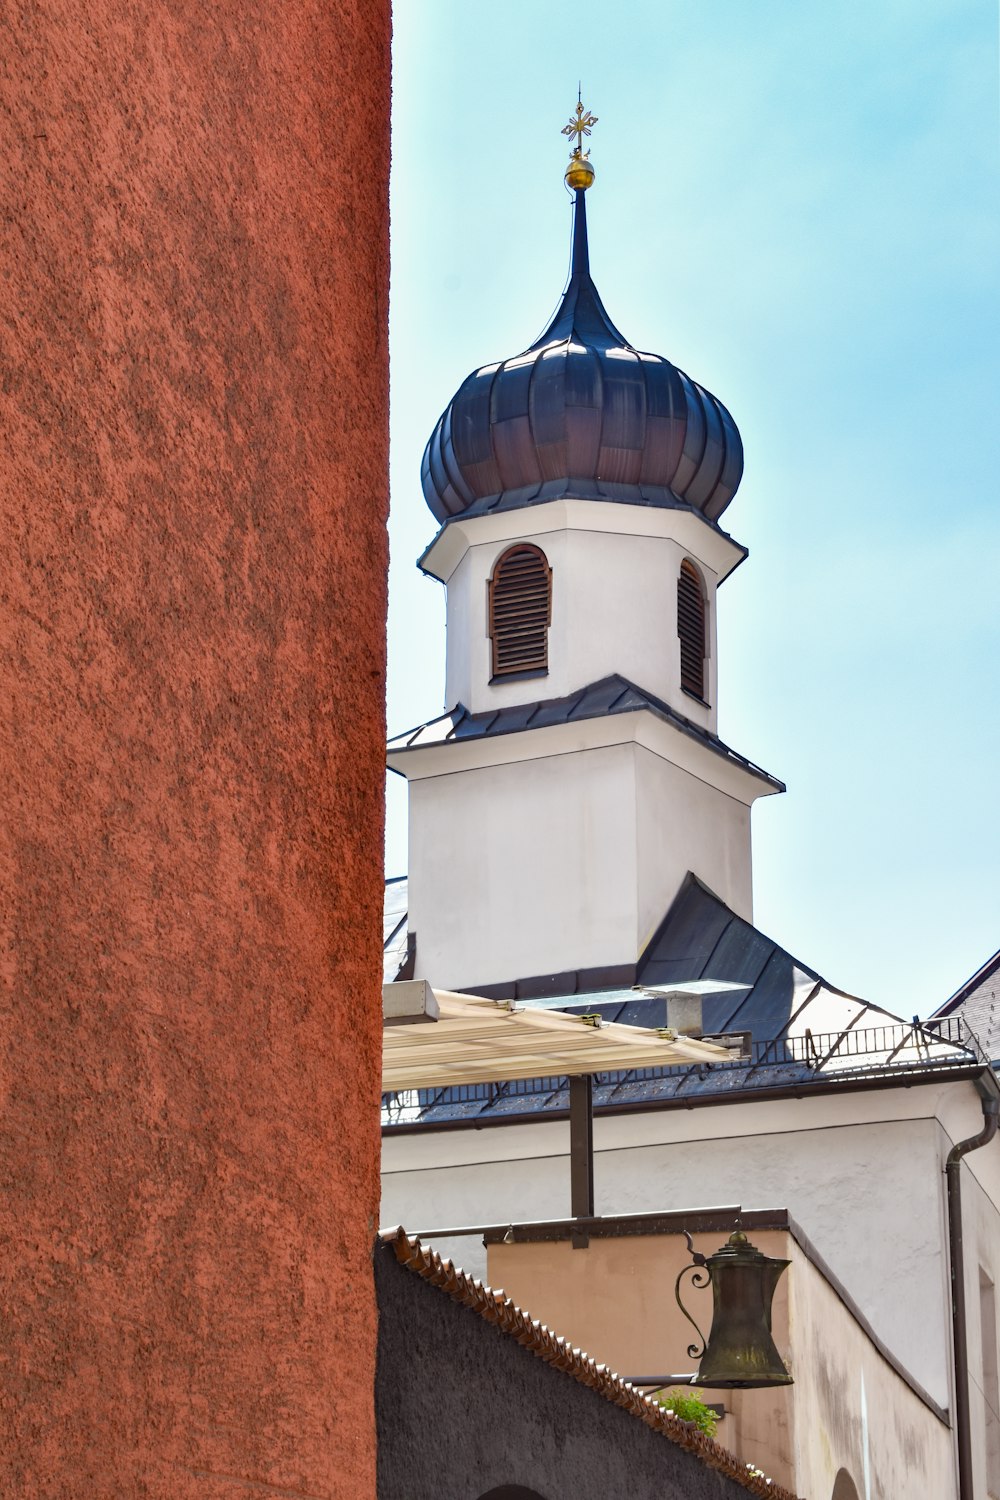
x: 685, y: 1001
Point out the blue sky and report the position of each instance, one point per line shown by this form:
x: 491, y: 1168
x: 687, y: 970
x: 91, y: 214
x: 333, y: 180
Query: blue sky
x: 798, y: 204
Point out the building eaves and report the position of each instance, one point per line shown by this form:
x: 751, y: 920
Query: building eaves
x: 610, y: 696
x: 504, y: 1315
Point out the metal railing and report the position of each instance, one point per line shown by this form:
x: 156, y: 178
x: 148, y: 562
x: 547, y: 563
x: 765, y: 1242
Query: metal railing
x: 893, y: 1050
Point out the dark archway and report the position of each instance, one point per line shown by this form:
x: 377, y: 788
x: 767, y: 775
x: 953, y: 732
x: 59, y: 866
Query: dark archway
x: 844, y: 1487
x: 512, y: 1492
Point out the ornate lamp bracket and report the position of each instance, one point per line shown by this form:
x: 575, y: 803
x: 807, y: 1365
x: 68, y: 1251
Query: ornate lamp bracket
x: 699, y: 1280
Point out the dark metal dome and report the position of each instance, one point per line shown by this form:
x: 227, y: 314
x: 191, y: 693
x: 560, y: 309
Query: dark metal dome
x: 581, y: 413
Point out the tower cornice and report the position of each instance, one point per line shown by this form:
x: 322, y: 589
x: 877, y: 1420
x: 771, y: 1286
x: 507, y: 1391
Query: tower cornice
x: 611, y: 712
x: 721, y: 552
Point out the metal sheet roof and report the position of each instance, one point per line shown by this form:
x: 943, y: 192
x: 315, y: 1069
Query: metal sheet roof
x: 394, y: 927
x: 582, y: 407
x: 611, y: 695
x: 805, y: 1032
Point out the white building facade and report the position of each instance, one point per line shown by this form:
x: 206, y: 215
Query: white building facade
x: 578, y: 828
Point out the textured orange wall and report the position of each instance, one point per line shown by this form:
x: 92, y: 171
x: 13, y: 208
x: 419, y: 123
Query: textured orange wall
x: 193, y: 451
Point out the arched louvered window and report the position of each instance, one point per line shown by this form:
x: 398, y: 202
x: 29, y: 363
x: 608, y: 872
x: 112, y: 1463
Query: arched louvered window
x: 692, y: 620
x: 520, y: 608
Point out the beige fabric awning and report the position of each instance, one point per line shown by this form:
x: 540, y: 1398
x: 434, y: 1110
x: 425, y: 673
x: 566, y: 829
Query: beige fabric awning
x: 489, y: 1041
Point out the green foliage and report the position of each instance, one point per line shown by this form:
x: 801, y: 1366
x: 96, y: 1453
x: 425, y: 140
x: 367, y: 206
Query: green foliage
x: 691, y: 1408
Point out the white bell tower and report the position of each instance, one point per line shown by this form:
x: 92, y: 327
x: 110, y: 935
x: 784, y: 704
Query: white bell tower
x: 556, y: 809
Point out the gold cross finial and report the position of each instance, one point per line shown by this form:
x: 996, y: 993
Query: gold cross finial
x: 580, y: 124
x: 579, y: 173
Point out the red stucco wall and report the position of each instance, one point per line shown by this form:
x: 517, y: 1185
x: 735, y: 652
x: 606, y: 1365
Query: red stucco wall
x: 193, y: 450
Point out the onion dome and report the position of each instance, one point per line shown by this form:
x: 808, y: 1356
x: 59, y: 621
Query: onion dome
x: 581, y: 413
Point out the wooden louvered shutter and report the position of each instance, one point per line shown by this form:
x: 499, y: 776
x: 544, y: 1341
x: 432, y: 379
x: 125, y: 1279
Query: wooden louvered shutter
x: 520, y: 607
x: 691, y: 630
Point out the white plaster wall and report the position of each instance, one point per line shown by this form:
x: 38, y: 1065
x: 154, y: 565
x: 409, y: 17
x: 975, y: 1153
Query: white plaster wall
x: 524, y: 869
x: 428, y: 1198
x: 614, y: 609
x: 567, y: 860
x: 869, y: 1196
x: 851, y: 1409
x: 982, y: 1247
x: 867, y: 1191
x: 465, y: 604
x: 684, y: 824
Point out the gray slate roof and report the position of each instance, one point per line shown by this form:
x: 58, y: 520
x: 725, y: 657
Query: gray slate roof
x: 612, y: 695
x: 976, y: 1001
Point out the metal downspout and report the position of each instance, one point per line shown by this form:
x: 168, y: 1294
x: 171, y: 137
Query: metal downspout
x: 953, y: 1170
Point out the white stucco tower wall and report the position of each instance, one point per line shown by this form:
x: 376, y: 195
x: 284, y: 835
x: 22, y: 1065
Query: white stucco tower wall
x: 553, y: 840
x: 614, y: 599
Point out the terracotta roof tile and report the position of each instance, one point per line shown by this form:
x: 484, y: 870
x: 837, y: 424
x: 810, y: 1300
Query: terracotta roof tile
x: 495, y: 1308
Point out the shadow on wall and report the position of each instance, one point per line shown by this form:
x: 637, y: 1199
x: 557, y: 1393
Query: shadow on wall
x: 844, y: 1487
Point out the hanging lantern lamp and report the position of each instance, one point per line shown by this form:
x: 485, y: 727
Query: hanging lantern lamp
x: 739, y: 1352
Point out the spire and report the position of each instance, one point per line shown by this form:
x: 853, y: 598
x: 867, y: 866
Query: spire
x: 581, y: 313
x: 578, y: 176
x: 580, y: 263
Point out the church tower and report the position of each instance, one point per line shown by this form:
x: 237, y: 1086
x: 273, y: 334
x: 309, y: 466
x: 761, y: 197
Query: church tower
x: 557, y: 807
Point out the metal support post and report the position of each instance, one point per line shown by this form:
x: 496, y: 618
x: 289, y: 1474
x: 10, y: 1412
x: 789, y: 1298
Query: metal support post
x: 581, y: 1152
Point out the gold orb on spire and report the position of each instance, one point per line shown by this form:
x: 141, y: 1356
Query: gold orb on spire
x: 580, y: 172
